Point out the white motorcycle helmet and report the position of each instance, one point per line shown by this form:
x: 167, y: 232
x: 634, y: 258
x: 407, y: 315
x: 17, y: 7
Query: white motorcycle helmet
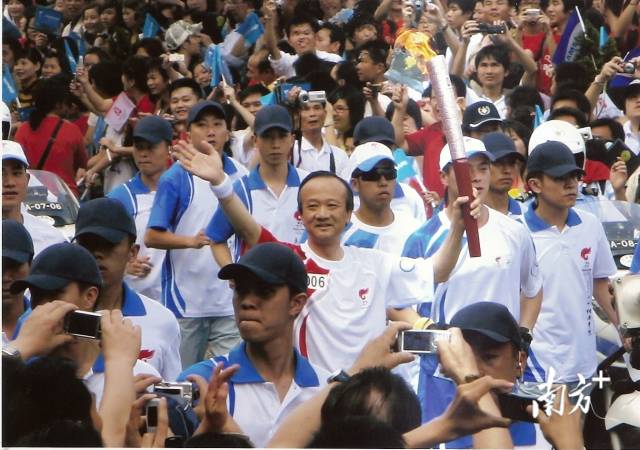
x: 560, y: 131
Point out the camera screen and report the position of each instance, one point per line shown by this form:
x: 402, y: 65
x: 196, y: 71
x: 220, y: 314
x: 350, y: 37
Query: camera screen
x: 423, y: 341
x: 171, y: 390
x: 83, y: 324
x: 152, y: 416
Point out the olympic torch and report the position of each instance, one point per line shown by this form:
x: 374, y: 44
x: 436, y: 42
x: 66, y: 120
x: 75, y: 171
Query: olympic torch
x: 417, y: 45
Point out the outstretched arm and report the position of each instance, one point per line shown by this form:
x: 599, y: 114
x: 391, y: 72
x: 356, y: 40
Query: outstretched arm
x: 209, y: 168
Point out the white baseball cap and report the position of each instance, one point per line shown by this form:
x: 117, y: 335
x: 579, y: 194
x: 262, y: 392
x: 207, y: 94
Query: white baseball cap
x: 179, y: 32
x: 13, y: 150
x: 560, y: 131
x: 366, y: 156
x: 472, y: 147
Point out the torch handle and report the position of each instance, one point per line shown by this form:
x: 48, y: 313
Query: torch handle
x: 463, y: 180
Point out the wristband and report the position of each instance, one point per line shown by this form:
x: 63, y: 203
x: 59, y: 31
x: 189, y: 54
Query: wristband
x: 224, y: 189
x: 470, y: 378
x: 422, y: 323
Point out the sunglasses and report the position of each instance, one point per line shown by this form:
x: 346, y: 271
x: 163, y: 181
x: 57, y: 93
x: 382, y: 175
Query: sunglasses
x: 389, y: 173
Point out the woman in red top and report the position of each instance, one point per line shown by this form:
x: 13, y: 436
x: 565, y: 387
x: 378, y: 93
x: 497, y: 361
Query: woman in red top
x: 67, y: 156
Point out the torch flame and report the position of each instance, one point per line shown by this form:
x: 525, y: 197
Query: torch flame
x: 417, y: 46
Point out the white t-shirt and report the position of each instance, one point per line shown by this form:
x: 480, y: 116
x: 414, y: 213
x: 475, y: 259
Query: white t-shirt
x: 405, y: 201
x: 384, y: 103
x: 564, y: 336
x: 237, y: 147
x: 283, y: 67
x: 253, y: 402
x: 184, y: 205
x: 348, y: 300
x: 42, y: 233
x: 631, y: 138
x: 506, y: 268
x: 389, y: 239
x: 314, y: 159
x: 138, y: 200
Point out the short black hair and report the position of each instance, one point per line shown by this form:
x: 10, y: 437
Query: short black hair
x: 336, y: 34
x: 566, y: 93
x: 186, y: 83
x: 38, y: 295
x: 357, y: 432
x: 378, y: 51
x: 617, y: 131
x: 413, y: 111
x: 153, y: 47
x: 524, y: 95
x: 581, y: 119
x: 107, y: 77
x: 497, y: 52
x: 255, y: 89
x: 573, y: 74
x: 301, y: 19
x: 467, y: 6
x: 215, y: 439
x: 457, y: 83
x: 136, y: 68
x: 375, y: 392
x: 520, y: 129
x: 327, y: 174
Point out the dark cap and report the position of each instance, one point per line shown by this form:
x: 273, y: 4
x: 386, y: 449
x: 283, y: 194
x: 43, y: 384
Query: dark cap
x: 552, y: 158
x: 490, y: 319
x: 153, y: 129
x: 58, y: 265
x: 273, y: 263
x: 480, y: 113
x: 374, y: 129
x: 105, y: 217
x: 272, y: 116
x: 202, y: 106
x: 500, y: 145
x: 17, y: 244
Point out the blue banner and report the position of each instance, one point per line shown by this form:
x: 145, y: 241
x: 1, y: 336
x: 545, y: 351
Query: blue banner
x: 568, y: 47
x: 80, y: 43
x: 151, y: 26
x: 538, y: 119
x: 604, y: 37
x: 404, y: 165
x: 251, y: 29
x: 48, y: 20
x: 71, y: 59
x: 9, y: 91
x: 214, y: 61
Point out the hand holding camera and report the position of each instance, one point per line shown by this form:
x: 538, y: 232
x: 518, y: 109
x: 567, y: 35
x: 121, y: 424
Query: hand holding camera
x: 120, y: 338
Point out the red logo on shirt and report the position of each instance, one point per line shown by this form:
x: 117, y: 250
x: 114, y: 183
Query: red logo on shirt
x: 146, y: 354
x: 362, y: 293
x: 297, y: 216
x: 584, y: 254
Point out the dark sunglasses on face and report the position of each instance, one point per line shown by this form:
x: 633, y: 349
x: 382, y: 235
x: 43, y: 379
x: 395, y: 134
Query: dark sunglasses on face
x: 389, y: 173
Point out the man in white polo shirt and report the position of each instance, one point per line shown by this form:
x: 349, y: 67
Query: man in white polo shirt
x: 575, y: 261
x: 181, y: 210
x: 349, y: 288
x: 108, y: 232
x: 270, y: 283
x: 270, y: 191
x: 15, y: 181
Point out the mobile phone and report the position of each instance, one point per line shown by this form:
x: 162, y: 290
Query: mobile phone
x: 421, y: 341
x: 83, y: 324
x: 514, y: 404
x: 152, y: 415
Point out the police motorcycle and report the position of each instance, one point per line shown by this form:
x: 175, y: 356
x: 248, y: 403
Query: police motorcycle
x: 614, y: 419
x: 51, y: 200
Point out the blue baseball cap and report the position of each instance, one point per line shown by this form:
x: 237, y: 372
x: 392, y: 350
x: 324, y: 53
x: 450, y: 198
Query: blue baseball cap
x: 272, y: 116
x: 153, y: 129
x: 205, y: 105
x: 552, y: 158
x: 374, y: 129
x: 57, y: 266
x: 273, y: 263
x: 107, y: 218
x: 490, y: 319
x: 500, y: 145
x: 17, y: 244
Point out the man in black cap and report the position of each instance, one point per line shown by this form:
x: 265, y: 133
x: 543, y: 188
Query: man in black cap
x: 181, y: 210
x: 69, y: 273
x: 105, y: 228
x: 17, y: 254
x: 575, y: 262
x: 270, y: 285
x: 480, y: 118
x: 270, y: 191
x: 151, y: 144
x: 505, y: 169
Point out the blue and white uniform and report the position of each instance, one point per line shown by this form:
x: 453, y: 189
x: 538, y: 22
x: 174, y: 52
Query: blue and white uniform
x: 184, y: 205
x: 405, y: 201
x: 278, y: 214
x: 253, y: 402
x: 160, y: 344
x: 138, y: 200
x: 390, y: 238
x: 570, y: 259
